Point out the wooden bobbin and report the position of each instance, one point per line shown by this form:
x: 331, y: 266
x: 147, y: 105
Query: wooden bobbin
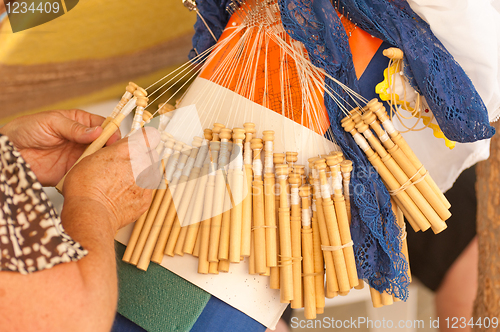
x: 220, y: 194
x: 139, y: 224
x: 436, y: 222
x: 167, y: 212
x: 295, y: 233
x: 319, y: 266
x: 331, y: 276
x: 237, y: 193
x: 203, y: 263
x: 343, y: 220
x: 379, y: 111
x: 393, y: 53
x: 157, y: 210
x: 410, y: 170
x: 129, y: 92
x: 346, y: 168
x: 299, y: 170
x: 196, y: 204
x: 246, y: 222
x: 269, y: 200
x: 259, y: 233
x: 307, y: 255
x: 165, y: 108
x: 224, y: 240
x: 376, y: 298
x: 389, y: 179
x: 286, y: 271
x: 198, y: 155
x: 108, y: 131
x: 333, y: 230
x: 178, y: 210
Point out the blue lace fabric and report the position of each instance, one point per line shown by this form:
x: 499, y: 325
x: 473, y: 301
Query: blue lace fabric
x: 431, y: 69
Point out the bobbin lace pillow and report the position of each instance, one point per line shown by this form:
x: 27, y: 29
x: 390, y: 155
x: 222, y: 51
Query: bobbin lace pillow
x: 31, y: 234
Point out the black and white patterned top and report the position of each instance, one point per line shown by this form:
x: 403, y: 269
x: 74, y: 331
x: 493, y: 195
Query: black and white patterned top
x: 31, y: 235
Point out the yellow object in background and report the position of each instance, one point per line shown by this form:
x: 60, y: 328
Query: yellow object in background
x: 90, y: 53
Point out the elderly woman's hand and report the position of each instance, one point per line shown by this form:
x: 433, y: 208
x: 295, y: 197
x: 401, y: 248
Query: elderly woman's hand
x: 52, y: 141
x: 108, y: 179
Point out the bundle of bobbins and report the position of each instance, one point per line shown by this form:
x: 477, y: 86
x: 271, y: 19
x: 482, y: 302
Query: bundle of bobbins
x: 261, y: 206
x: 229, y: 195
x: 414, y: 194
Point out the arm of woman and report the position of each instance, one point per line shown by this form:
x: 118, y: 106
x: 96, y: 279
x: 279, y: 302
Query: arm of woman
x: 101, y: 196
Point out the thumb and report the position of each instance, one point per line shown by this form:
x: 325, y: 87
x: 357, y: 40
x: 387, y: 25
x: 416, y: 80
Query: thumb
x: 76, y: 132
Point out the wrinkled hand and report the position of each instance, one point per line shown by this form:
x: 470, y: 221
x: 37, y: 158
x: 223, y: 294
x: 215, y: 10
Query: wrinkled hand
x: 109, y: 177
x: 52, y: 141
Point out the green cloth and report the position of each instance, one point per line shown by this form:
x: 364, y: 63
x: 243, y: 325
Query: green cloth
x: 157, y: 300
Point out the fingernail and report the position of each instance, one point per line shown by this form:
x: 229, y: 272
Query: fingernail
x: 89, y: 130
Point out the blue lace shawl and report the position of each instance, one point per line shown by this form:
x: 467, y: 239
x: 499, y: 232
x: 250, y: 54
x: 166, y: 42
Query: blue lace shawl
x: 458, y: 108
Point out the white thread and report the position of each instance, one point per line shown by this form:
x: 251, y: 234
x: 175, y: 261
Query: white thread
x: 257, y: 167
x: 136, y: 122
x: 202, y: 155
x: 213, y: 169
x: 295, y: 198
x: 268, y: 160
x: 389, y: 126
x: 337, y: 182
x: 306, y: 218
x: 178, y: 171
x: 189, y: 166
x: 313, y: 207
x: 368, y: 133
x: 384, y: 137
x: 168, y: 151
x: 129, y: 106
x: 362, y: 143
x: 325, y: 191
x: 164, y: 120
x: 248, y: 154
x: 170, y: 170
x: 335, y: 248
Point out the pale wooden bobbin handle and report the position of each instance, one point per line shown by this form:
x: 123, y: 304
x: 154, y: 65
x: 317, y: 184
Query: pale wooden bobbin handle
x: 346, y: 168
x: 223, y: 253
x: 393, y: 53
x: 158, y: 196
x: 246, y: 222
x: 295, y: 232
x: 219, y: 195
x: 319, y: 266
x: 189, y: 179
x: 203, y: 263
x: 129, y: 92
x: 180, y: 202
x: 142, y: 102
x: 436, y: 222
x: 167, y: 208
x: 166, y: 113
x: 196, y: 203
x: 343, y: 222
x: 156, y: 206
x: 332, y: 286
x: 237, y: 189
x: 259, y: 234
x: 389, y: 180
x: 333, y: 230
x: 411, y: 171
x: 379, y: 111
x: 307, y: 255
x: 154, y: 223
x: 269, y: 200
x: 286, y: 272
